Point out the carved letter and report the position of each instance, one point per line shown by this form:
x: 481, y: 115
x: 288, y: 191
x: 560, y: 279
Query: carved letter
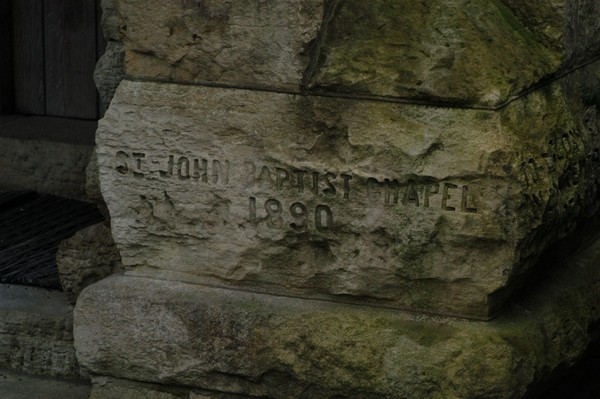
x: 373, y: 193
x: 264, y: 178
x: 138, y: 164
x: 428, y: 190
x: 347, y: 179
x: 123, y: 167
x: 201, y: 170
x: 329, y: 191
x: 252, y: 211
x: 220, y: 172
x: 392, y: 191
x: 169, y: 171
x: 249, y: 171
x: 446, y: 196
x: 321, y: 224
x: 411, y: 194
x: 464, y: 199
x: 183, y: 168
x: 281, y: 176
x: 299, y: 174
x: 315, y: 183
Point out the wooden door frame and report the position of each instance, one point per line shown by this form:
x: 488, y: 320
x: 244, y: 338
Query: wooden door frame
x: 7, y: 88
x: 39, y: 85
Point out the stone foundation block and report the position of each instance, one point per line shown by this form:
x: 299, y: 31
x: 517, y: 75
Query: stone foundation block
x: 36, y: 332
x: 233, y: 342
x: 443, y: 210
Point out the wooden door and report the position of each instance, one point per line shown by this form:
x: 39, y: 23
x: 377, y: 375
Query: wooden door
x: 55, y: 49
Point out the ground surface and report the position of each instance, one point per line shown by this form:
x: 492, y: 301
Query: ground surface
x: 20, y: 386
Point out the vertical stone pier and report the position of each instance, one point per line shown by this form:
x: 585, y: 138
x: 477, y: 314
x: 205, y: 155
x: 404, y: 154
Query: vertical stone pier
x: 333, y: 199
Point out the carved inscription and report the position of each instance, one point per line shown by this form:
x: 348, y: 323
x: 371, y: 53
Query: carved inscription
x: 197, y: 169
x: 390, y: 192
x: 296, y: 181
x: 274, y: 210
x: 571, y: 163
x: 315, y: 195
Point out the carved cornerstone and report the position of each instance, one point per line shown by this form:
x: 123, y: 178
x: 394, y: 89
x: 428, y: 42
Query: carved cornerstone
x: 366, y: 201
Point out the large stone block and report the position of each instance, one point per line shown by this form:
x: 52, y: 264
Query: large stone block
x: 261, y: 42
x: 234, y: 342
x: 45, y: 154
x: 410, y: 206
x: 481, y: 53
x: 36, y: 332
x: 86, y: 257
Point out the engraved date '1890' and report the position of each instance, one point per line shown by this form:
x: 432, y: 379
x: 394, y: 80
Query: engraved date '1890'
x: 316, y: 192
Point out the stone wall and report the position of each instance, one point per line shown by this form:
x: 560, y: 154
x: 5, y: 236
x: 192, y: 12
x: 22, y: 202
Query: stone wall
x: 300, y: 160
x: 286, y: 179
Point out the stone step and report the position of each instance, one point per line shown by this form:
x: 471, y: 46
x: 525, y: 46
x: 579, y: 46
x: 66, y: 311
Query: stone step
x: 45, y: 154
x: 25, y: 386
x: 243, y: 343
x: 36, y: 332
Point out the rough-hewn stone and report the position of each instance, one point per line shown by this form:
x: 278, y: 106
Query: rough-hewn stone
x: 44, y: 166
x: 288, y: 160
x: 36, y: 332
x: 90, y: 255
x: 277, y: 347
x: 25, y: 386
x: 412, y: 206
x: 475, y: 53
x: 115, y: 388
x: 109, y: 72
x: 235, y: 42
x: 112, y: 388
x: 481, y: 53
x: 113, y: 23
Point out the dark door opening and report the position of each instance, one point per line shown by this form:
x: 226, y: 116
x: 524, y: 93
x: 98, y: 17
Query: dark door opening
x: 47, y: 93
x: 32, y: 225
x: 53, y: 47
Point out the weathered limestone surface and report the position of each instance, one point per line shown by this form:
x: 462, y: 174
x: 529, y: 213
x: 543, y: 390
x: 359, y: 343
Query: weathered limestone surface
x: 480, y: 52
x: 277, y: 347
x: 90, y: 255
x: 26, y: 386
x: 46, y: 167
x: 420, y: 207
x: 36, y: 332
x: 475, y: 52
x: 112, y: 388
x: 402, y: 154
x: 109, y: 71
x: 235, y: 42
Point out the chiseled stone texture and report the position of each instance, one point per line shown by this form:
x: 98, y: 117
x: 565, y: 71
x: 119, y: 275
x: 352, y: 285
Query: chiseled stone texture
x: 36, y: 332
x: 109, y: 72
x: 86, y: 257
x: 115, y: 388
x: 475, y: 52
x: 44, y: 166
x: 411, y: 206
x: 481, y: 52
x: 26, y: 386
x: 111, y: 388
x: 283, y: 348
x: 261, y: 42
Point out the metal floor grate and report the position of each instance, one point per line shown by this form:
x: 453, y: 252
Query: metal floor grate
x: 32, y: 226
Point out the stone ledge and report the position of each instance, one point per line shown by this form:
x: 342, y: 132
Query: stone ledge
x: 45, y: 166
x: 36, y: 327
x: 24, y: 386
x: 267, y: 346
x: 49, y: 128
